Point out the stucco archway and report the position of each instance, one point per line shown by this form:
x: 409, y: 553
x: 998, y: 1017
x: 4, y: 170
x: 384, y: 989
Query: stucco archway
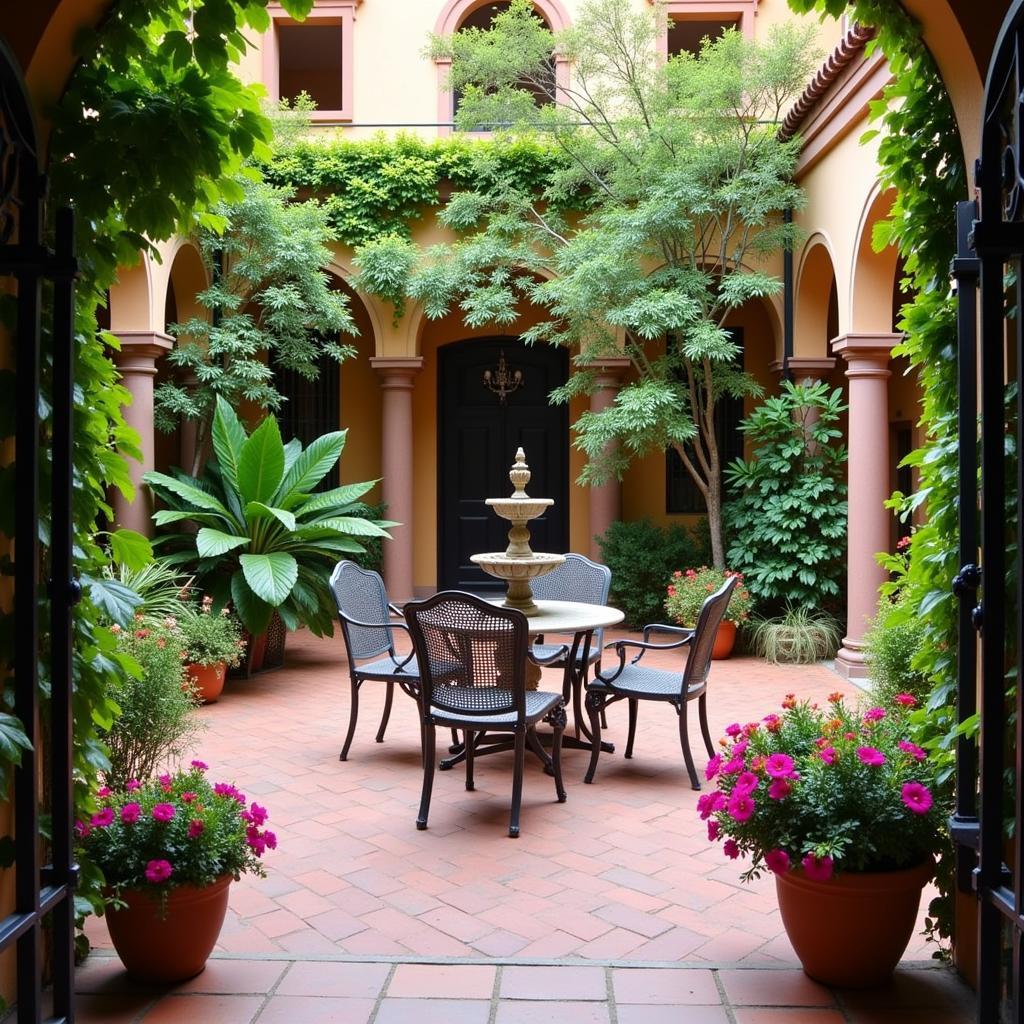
x: 817, y: 300
x: 873, y: 280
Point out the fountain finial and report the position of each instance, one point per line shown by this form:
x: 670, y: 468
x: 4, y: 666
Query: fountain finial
x: 520, y: 475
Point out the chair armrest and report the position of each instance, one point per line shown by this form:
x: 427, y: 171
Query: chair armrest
x: 661, y: 627
x: 549, y: 659
x: 644, y: 646
x: 395, y: 609
x: 373, y: 625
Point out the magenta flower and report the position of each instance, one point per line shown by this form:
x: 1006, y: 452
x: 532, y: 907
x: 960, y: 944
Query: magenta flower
x: 158, y: 871
x: 270, y: 839
x: 713, y: 767
x: 257, y: 814
x: 131, y: 785
x: 730, y: 849
x: 779, y: 789
x: 708, y: 803
x: 917, y: 797
x: 81, y: 829
x: 195, y: 828
x: 102, y: 818
x: 817, y: 869
x: 732, y: 766
x: 871, y: 756
x: 103, y: 791
x: 226, y: 789
x: 741, y: 805
x: 713, y: 830
x: 828, y: 755
x: 908, y: 700
x: 779, y: 766
x: 165, y: 782
x: 200, y: 766
x: 916, y: 752
x: 163, y: 812
x: 733, y: 730
x: 874, y: 714
x: 130, y: 813
x: 777, y: 861
x: 256, y: 840
x: 187, y: 798
x: 747, y: 782
x: 739, y: 749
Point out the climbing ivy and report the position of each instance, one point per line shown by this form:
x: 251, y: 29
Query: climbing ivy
x: 921, y: 157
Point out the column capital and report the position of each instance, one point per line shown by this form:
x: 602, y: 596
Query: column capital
x: 804, y: 366
x: 610, y: 370
x: 866, y: 355
x: 397, y: 371
x: 140, y: 350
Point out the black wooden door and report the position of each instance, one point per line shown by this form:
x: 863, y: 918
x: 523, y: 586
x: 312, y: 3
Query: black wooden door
x: 479, y: 429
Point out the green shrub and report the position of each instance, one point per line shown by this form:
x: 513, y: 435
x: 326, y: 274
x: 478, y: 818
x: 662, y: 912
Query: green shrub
x: 891, y: 645
x: 642, y: 557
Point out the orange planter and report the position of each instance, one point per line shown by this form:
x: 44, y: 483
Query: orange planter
x: 725, y: 639
x: 208, y: 680
x: 851, y: 931
x: 163, y: 949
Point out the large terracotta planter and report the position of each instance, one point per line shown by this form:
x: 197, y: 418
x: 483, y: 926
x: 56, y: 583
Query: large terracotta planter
x: 725, y: 640
x: 166, y: 949
x: 851, y: 931
x: 208, y: 680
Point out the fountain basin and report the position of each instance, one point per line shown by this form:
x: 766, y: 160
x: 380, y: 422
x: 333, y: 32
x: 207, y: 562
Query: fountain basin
x: 509, y: 567
x: 519, y: 509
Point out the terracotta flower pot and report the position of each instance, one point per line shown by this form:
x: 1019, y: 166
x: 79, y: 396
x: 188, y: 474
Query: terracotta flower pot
x: 166, y: 949
x: 208, y: 680
x: 851, y: 931
x: 725, y: 639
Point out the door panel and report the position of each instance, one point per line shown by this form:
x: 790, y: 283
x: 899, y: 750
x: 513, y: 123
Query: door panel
x: 478, y: 437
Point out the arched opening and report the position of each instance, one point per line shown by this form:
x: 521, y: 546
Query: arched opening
x: 874, y: 273
x: 817, y: 303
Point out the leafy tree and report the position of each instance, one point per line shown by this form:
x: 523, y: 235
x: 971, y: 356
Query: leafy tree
x: 787, y: 516
x: 682, y: 181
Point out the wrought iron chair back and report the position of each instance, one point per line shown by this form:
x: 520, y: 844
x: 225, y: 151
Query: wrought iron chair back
x: 360, y: 595
x: 580, y: 579
x: 698, y: 664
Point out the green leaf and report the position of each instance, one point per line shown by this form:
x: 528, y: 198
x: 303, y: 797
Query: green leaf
x: 131, y: 549
x: 189, y: 492
x: 344, y: 495
x: 114, y: 599
x: 270, y: 577
x: 228, y: 439
x: 253, y: 612
x: 313, y: 464
x: 257, y: 510
x: 353, y: 526
x: 261, y: 463
x: 210, y: 543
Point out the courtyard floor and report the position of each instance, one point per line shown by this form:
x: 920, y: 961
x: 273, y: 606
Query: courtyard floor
x: 613, y: 907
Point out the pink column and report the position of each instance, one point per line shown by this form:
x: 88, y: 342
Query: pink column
x: 137, y: 364
x: 397, y: 376
x: 605, y: 501
x: 867, y: 369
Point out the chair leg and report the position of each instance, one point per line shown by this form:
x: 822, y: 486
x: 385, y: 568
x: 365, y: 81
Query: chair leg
x: 702, y: 710
x: 470, y: 741
x: 429, y: 757
x: 387, y: 712
x: 558, y: 719
x: 456, y: 747
x: 353, y: 714
x: 594, y: 707
x: 604, y: 715
x: 633, y: 706
x: 684, y: 742
x: 517, y: 783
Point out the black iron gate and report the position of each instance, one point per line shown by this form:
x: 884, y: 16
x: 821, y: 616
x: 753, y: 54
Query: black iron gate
x: 42, y: 279
x: 991, y: 295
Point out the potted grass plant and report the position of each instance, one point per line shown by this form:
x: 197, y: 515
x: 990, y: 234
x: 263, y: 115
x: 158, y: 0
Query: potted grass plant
x: 837, y: 802
x: 213, y: 643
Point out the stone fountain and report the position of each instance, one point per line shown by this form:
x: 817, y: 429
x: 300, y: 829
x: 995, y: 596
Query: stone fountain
x: 518, y: 564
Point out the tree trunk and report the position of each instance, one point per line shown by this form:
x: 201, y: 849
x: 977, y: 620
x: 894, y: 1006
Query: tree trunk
x: 714, y: 503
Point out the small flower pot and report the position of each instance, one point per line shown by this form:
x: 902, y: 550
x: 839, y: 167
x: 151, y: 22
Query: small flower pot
x: 167, y: 948
x: 725, y: 640
x: 208, y: 680
x: 851, y: 931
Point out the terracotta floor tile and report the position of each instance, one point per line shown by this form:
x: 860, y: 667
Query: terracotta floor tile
x: 565, y: 982
x: 314, y: 1010
x: 679, y: 1013
x: 773, y: 988
x: 460, y: 981
x: 320, y: 978
x: 236, y: 977
x: 789, y: 1015
x: 563, y: 1013
x: 205, y: 1009
x: 110, y: 1008
x: 426, y: 1011
x: 665, y: 986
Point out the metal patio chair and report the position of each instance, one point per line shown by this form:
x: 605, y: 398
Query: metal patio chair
x: 634, y: 682
x: 366, y: 625
x: 482, y: 650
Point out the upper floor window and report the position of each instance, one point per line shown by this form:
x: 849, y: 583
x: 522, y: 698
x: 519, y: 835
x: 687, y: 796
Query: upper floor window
x: 687, y: 36
x: 689, y: 22
x: 312, y: 56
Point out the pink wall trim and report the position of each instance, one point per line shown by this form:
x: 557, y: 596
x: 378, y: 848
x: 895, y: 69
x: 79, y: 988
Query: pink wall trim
x: 336, y: 12
x: 696, y: 10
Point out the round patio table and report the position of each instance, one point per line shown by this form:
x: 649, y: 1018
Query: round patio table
x: 580, y: 621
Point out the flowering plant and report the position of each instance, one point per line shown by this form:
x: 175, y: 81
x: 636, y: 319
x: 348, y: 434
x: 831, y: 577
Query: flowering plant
x: 174, y: 830
x: 824, y: 789
x: 209, y: 638
x: 688, y: 590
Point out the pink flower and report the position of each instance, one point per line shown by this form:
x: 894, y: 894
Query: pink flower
x: 188, y: 797
x: 908, y: 700
x: 270, y: 839
x: 713, y: 766
x: 779, y: 766
x: 917, y: 797
x: 226, y: 789
x: 777, y: 861
x: 130, y: 813
x: 713, y: 830
x: 158, y: 871
x: 200, y: 766
x: 103, y: 791
x: 163, y: 812
x: 257, y: 814
x: 81, y: 829
x: 741, y: 805
x: 732, y: 766
x: 871, y: 756
x: 102, y: 818
x: 817, y: 869
x: 708, y: 803
x: 195, y: 828
x: 874, y: 714
x: 257, y: 842
x: 730, y: 849
x: 772, y: 723
x: 779, y: 789
x: 131, y: 785
x: 828, y: 755
x: 746, y: 782
x: 733, y: 730
x: 916, y: 752
x: 165, y: 782
x: 739, y: 749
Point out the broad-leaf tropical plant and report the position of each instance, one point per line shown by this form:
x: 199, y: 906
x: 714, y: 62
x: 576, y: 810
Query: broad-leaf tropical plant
x: 265, y: 541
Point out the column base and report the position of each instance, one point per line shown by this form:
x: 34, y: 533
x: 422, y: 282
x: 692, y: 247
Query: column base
x: 851, y: 662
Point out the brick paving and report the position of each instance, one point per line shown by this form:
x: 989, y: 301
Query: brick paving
x: 612, y: 907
